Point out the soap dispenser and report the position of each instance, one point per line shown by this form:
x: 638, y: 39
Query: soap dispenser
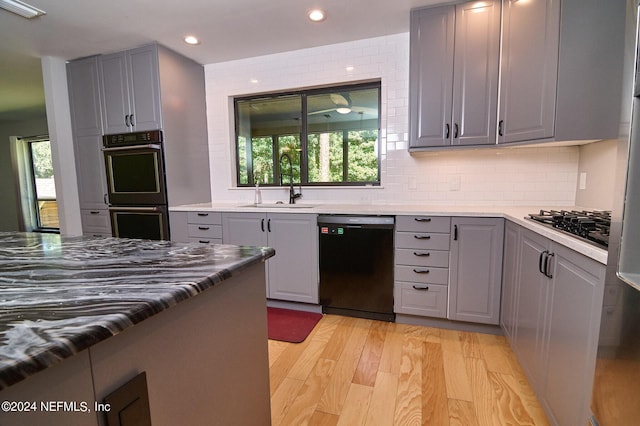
x: 257, y: 197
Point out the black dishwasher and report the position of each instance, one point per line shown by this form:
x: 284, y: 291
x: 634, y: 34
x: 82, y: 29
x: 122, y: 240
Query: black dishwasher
x: 356, y: 265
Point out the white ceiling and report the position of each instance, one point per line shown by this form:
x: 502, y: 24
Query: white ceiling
x: 228, y: 29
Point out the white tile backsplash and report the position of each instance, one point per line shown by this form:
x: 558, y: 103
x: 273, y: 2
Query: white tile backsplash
x: 540, y: 176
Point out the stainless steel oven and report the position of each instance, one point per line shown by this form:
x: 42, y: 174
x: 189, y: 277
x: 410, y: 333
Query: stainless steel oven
x: 148, y: 222
x: 134, y: 163
x: 136, y: 184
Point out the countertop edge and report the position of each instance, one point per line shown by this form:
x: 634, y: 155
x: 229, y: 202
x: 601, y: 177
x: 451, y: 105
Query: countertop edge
x: 514, y: 214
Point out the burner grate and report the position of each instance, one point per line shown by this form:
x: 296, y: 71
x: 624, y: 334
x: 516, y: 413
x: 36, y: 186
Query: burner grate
x: 590, y: 225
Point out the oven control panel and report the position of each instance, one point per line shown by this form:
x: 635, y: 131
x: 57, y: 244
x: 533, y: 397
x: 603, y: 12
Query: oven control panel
x: 136, y: 138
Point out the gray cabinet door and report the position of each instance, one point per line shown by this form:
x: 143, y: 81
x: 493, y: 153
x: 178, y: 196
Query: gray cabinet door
x: 131, y: 90
x: 431, y: 76
x: 476, y: 269
x: 510, y: 279
x: 115, y: 93
x: 475, y: 81
x: 530, y: 40
x: 531, y: 306
x: 293, y: 272
x: 574, y: 319
x: 244, y: 229
x: 92, y: 180
x: 84, y: 96
x: 144, y: 88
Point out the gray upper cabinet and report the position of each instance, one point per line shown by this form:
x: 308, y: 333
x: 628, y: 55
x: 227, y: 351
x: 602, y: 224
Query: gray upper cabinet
x: 131, y: 90
x: 84, y: 96
x: 454, y: 74
x: 476, y: 269
x: 561, y: 69
x: 292, y: 274
x: 529, y: 70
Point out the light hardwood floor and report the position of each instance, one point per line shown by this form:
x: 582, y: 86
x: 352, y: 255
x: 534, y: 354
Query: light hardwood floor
x: 353, y: 371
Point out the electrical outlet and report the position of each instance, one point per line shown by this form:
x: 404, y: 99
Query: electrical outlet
x: 583, y: 180
x: 454, y: 183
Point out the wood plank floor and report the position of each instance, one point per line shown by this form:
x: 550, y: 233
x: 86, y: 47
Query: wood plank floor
x: 352, y: 371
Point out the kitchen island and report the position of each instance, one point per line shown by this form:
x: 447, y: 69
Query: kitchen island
x: 80, y: 317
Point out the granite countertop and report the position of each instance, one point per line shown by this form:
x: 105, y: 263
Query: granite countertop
x: 61, y: 295
x: 516, y: 214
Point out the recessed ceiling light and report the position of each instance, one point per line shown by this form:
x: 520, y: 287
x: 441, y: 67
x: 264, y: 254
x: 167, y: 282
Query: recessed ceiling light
x: 191, y: 40
x: 349, y: 68
x: 317, y: 15
x: 254, y: 81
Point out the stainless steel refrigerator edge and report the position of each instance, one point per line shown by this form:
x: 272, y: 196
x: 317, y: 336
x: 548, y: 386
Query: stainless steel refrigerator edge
x: 616, y: 389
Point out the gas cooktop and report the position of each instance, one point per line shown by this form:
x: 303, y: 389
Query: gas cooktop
x: 591, y: 226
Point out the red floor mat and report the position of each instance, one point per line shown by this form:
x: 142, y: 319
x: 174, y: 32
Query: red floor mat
x: 290, y: 326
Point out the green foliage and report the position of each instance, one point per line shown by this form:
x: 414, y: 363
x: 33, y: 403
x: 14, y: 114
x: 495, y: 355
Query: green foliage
x: 41, y: 157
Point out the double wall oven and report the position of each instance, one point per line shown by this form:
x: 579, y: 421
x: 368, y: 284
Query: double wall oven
x: 136, y: 183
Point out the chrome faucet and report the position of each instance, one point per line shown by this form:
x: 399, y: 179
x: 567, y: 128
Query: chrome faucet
x: 292, y: 194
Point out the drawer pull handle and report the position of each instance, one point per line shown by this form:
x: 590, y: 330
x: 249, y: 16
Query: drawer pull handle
x: 421, y: 271
x: 203, y: 228
x: 203, y: 214
x: 422, y: 219
x: 95, y: 212
x: 203, y: 241
x: 422, y: 237
x: 422, y: 288
x: 416, y: 253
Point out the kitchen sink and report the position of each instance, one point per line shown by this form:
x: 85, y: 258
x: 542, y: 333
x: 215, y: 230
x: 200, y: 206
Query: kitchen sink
x: 280, y: 205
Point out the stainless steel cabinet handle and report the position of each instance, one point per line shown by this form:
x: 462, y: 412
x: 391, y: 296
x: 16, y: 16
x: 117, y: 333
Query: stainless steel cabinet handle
x: 422, y: 237
x: 421, y: 254
x: 421, y: 271
x: 420, y: 287
x: 422, y: 219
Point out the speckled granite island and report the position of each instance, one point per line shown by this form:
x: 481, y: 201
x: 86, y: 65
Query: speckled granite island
x: 79, y: 317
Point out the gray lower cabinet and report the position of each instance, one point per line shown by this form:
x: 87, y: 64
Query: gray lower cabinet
x: 476, y: 269
x: 196, y: 227
x: 510, y: 270
x: 422, y: 265
x: 292, y: 275
x: 454, y: 74
x: 553, y: 298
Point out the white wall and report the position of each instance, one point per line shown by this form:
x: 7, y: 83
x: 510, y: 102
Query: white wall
x: 524, y: 176
x: 597, y: 162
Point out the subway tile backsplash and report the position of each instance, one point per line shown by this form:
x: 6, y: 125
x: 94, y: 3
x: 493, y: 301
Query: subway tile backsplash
x: 536, y: 176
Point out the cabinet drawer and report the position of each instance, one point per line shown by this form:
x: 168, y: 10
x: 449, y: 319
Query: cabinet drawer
x: 414, y: 257
x: 422, y: 240
x: 420, y: 299
x: 423, y: 223
x: 205, y: 240
x: 421, y: 274
x: 95, y: 222
x: 211, y: 218
x: 205, y: 231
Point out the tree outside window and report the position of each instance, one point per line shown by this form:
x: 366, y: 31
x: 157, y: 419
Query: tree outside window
x: 331, y: 135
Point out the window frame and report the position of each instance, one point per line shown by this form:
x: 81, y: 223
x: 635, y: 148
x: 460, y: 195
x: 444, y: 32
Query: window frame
x: 304, y: 138
x: 32, y: 189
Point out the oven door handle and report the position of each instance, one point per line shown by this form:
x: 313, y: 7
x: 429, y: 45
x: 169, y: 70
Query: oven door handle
x: 134, y: 209
x: 132, y: 147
